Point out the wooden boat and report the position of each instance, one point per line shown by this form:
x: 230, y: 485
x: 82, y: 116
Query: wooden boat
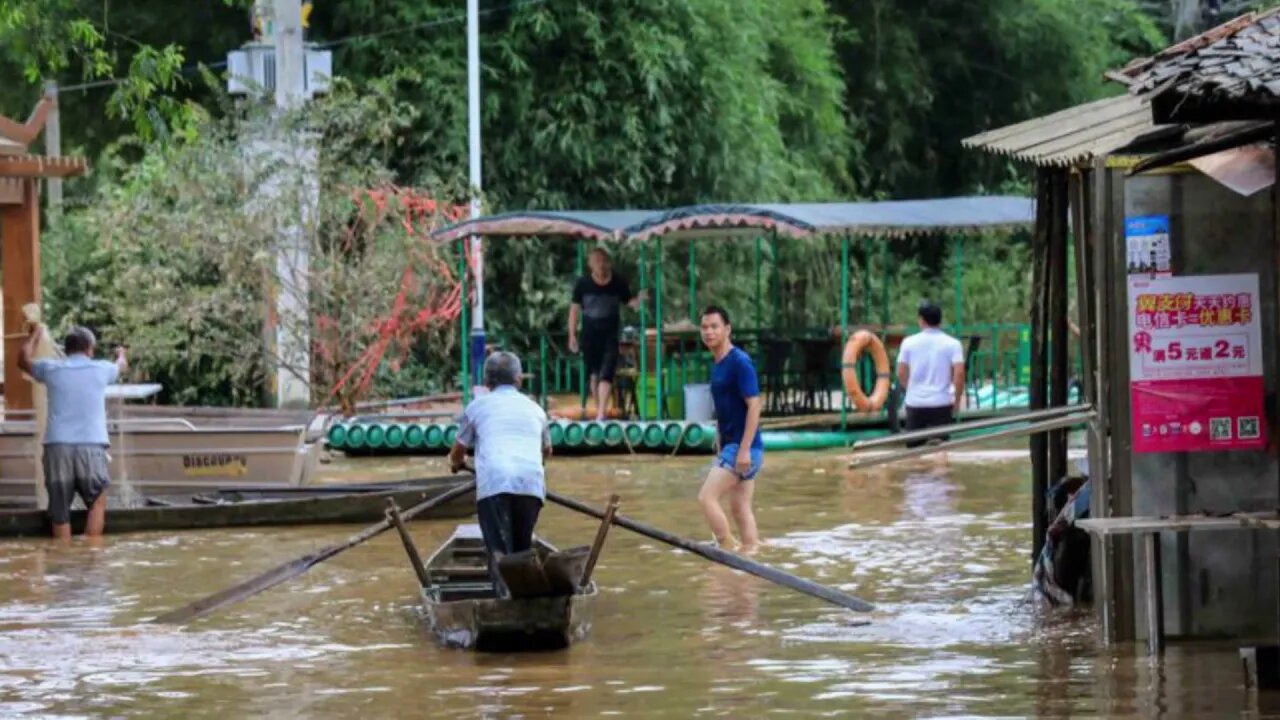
x: 546, y: 611
x: 258, y: 506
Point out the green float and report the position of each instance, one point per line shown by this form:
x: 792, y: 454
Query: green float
x: 356, y: 435
x: 375, y: 437
x: 337, y: 435
x: 573, y: 434
x: 694, y: 436
x: 415, y: 436
x: 614, y: 435
x: 450, y: 435
x: 635, y: 434
x: 593, y: 434
x: 671, y: 434
x: 653, y: 436
x: 395, y: 437
x: 434, y: 436
x: 556, y: 431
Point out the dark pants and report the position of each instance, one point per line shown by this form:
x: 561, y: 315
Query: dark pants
x: 924, y: 418
x: 507, y: 523
x: 600, y: 354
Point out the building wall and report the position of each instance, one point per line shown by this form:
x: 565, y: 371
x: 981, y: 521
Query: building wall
x: 1215, y: 583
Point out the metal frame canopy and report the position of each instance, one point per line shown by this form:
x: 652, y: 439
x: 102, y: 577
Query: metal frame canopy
x: 893, y: 218
x: 590, y: 224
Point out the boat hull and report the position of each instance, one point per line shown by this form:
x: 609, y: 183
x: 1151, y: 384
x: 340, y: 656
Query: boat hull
x: 258, y: 507
x: 524, y: 624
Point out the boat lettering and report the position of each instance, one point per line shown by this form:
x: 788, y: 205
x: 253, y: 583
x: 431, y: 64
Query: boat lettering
x: 214, y: 464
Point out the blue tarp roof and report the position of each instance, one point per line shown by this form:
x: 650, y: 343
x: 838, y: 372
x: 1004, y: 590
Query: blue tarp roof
x: 895, y: 218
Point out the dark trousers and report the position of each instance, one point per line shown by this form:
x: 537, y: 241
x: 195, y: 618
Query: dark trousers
x: 924, y: 418
x: 507, y: 523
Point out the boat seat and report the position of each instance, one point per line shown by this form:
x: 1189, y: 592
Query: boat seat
x: 466, y: 591
x: 460, y: 572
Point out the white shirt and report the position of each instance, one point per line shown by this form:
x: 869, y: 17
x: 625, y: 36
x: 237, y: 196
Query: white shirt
x: 930, y: 354
x: 508, y: 432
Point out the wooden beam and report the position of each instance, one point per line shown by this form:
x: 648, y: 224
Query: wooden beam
x: 1059, y: 369
x: 33, y: 166
x: 20, y: 275
x: 1039, y: 357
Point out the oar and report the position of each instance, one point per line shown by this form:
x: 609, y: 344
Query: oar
x: 294, y: 568
x: 715, y: 554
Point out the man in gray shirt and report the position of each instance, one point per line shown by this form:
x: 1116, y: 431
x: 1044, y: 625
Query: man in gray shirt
x: 75, y: 441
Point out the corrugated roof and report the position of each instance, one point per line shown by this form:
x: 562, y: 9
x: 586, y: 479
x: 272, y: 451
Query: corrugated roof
x: 590, y: 224
x: 1239, y: 60
x: 1075, y: 135
x: 896, y: 218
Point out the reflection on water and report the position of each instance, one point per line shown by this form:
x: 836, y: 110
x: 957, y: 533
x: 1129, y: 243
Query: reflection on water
x: 940, y: 545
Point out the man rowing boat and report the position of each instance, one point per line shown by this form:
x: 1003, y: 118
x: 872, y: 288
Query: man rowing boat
x: 510, y: 436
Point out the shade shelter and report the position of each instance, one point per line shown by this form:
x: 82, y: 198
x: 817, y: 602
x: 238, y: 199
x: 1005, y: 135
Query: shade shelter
x: 872, y: 222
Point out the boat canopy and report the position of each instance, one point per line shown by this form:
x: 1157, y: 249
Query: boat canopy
x: 893, y: 218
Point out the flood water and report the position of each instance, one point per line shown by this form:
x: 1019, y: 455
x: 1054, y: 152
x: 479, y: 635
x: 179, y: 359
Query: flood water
x: 940, y: 547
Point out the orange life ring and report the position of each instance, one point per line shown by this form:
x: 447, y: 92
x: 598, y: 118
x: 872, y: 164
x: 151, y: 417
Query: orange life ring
x: 862, y: 340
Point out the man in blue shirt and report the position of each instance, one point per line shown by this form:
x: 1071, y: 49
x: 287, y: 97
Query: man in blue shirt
x: 75, y: 440
x: 735, y: 391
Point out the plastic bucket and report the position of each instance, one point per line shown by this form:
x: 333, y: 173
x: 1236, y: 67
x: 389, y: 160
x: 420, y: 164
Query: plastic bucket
x: 415, y: 436
x: 395, y: 436
x: 337, y: 435
x: 698, y: 407
x: 614, y: 435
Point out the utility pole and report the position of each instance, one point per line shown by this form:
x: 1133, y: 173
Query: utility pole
x: 277, y: 61
x: 53, y: 143
x: 473, y: 136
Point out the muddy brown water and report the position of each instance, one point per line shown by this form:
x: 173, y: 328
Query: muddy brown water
x: 941, y: 547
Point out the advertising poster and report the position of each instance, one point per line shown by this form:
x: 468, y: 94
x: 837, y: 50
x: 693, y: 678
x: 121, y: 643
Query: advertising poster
x: 1147, y: 245
x: 1195, y: 363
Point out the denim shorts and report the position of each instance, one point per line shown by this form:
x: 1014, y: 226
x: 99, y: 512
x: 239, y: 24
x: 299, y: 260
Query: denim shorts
x: 728, y: 459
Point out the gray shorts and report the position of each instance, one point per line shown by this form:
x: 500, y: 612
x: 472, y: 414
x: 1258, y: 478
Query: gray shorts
x: 71, y: 470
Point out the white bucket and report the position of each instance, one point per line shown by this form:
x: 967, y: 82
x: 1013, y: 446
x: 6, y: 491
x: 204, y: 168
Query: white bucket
x: 697, y: 404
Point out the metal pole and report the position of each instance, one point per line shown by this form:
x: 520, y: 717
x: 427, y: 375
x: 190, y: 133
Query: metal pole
x: 759, y: 284
x: 657, y: 324
x: 53, y: 142
x: 693, y: 282
x: 644, y: 340
x: 542, y: 370
x: 959, y: 280
x: 777, y: 279
x: 884, y: 262
x: 462, y: 324
x: 1045, y: 426
x: 582, y: 364
x: 844, y: 324
x: 473, y: 136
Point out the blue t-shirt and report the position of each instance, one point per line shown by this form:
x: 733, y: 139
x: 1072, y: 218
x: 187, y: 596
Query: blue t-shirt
x: 77, y: 389
x: 733, y: 381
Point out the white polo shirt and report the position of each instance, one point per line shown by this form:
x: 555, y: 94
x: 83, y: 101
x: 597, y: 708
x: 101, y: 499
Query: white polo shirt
x: 507, y: 431
x: 930, y: 355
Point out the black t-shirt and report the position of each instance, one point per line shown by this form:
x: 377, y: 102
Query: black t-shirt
x: 601, y: 304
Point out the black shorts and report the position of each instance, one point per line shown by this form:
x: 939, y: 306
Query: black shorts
x: 924, y: 418
x: 600, y: 355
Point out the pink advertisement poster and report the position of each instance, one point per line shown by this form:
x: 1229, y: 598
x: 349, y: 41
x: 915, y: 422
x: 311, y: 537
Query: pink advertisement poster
x: 1195, y: 363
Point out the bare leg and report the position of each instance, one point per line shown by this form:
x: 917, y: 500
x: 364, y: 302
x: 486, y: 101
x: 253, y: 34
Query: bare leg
x: 719, y: 481
x: 740, y: 503
x: 97, y: 518
x: 62, y: 531
x: 602, y: 398
x: 589, y: 394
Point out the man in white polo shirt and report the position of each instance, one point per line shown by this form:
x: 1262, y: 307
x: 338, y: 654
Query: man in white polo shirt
x: 511, y: 438
x: 931, y: 370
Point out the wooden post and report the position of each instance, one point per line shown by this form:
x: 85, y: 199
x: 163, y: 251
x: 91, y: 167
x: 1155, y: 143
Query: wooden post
x: 1040, y: 248
x: 410, y: 549
x: 1060, y: 346
x: 20, y: 275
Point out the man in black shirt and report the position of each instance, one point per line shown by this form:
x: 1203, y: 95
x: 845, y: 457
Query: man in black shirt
x: 598, y: 298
